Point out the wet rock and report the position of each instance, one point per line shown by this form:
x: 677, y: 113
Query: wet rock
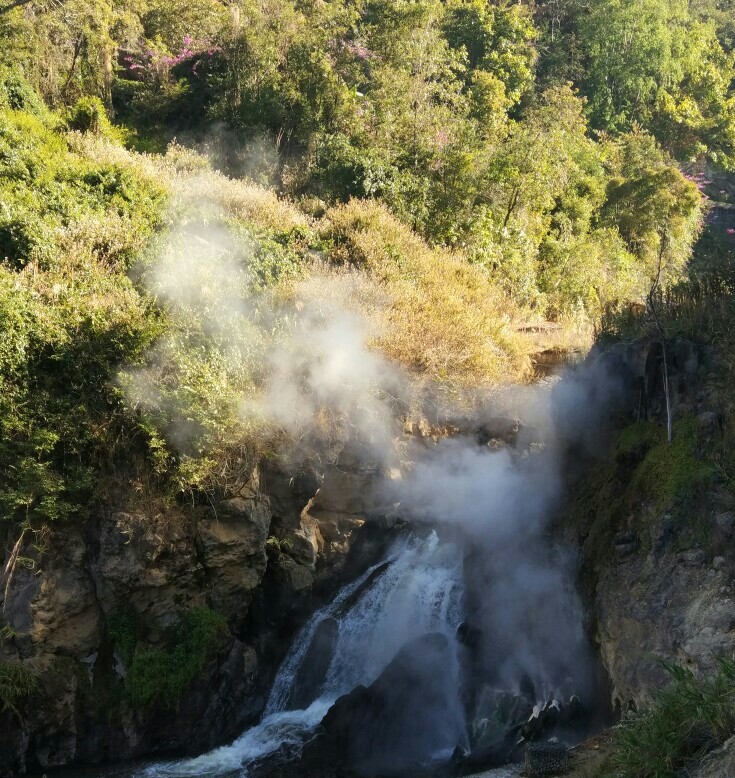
x: 725, y: 522
x: 694, y: 557
x: 542, y: 721
x: 626, y: 544
x: 315, y: 664
x: 410, y: 711
x: 469, y: 636
x: 43, y: 733
x: 719, y: 562
x: 708, y: 425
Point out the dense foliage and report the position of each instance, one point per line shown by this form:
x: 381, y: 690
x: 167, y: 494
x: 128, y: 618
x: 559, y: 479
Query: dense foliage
x: 431, y: 107
x: 162, y: 674
x: 686, y: 719
x: 471, y: 163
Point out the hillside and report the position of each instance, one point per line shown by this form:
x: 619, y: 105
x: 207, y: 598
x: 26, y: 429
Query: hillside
x: 260, y: 258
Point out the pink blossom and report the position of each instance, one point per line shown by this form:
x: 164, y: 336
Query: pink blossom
x: 442, y: 138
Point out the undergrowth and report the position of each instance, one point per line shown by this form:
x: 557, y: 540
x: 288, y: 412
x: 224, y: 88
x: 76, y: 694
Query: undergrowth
x: 668, y: 475
x: 17, y: 683
x: 687, y: 719
x: 161, y: 675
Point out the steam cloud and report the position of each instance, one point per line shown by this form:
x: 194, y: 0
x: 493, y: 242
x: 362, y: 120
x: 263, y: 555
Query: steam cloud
x: 299, y: 365
x: 307, y: 358
x: 501, y: 502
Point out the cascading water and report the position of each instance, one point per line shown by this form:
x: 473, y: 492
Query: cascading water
x: 419, y: 591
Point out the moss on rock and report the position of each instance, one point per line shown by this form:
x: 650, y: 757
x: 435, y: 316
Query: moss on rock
x: 161, y: 674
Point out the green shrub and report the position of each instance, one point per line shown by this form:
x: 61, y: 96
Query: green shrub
x: 162, y: 675
x: 16, y: 93
x: 89, y: 115
x: 70, y: 225
x: 688, y: 718
x: 669, y: 474
x: 17, y: 682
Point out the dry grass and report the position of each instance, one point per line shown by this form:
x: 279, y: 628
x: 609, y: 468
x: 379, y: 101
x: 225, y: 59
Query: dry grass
x: 446, y: 319
x: 190, y: 179
x: 428, y: 309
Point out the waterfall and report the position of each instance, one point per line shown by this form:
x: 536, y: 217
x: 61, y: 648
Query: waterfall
x: 418, y: 591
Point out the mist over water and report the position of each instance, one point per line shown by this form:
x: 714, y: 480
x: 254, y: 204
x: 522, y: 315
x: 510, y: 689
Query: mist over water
x: 483, y: 556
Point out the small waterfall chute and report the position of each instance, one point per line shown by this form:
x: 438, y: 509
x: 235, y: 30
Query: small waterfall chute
x: 419, y: 591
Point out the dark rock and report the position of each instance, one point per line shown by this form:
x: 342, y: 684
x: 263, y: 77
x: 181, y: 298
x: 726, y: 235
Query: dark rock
x: 542, y: 721
x: 626, y: 544
x: 695, y: 557
x: 726, y: 522
x: 409, y: 713
x: 469, y: 636
x: 315, y: 664
x: 708, y: 425
x: 625, y: 550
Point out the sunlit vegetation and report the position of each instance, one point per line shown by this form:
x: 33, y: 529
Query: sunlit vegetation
x: 455, y: 172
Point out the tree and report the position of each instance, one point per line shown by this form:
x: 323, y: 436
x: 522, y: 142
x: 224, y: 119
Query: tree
x: 651, y: 63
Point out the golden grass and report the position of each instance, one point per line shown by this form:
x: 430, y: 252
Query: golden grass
x: 428, y: 309
x: 446, y: 318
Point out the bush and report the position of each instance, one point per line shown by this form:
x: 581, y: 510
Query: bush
x: 17, y: 683
x: 69, y: 227
x: 16, y: 93
x: 89, y: 115
x: 445, y: 318
x: 161, y: 675
x: 688, y: 718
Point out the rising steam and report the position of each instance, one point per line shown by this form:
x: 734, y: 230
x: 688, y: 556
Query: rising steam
x: 301, y: 363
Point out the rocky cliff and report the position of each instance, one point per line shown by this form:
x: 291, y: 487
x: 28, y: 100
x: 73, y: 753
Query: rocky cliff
x: 655, y: 525
x: 148, y: 631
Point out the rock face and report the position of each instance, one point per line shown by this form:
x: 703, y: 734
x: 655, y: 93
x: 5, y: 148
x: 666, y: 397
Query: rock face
x: 664, y: 603
x: 656, y: 534
x: 96, y: 611
x: 408, y: 713
x: 153, y: 570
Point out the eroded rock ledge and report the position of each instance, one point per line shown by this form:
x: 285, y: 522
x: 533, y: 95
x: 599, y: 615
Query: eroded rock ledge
x: 154, y: 631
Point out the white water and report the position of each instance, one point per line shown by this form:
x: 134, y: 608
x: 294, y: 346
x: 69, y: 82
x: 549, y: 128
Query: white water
x: 419, y: 592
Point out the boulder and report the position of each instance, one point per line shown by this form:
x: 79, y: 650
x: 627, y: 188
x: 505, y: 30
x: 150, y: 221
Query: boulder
x: 314, y: 665
x: 408, y: 715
